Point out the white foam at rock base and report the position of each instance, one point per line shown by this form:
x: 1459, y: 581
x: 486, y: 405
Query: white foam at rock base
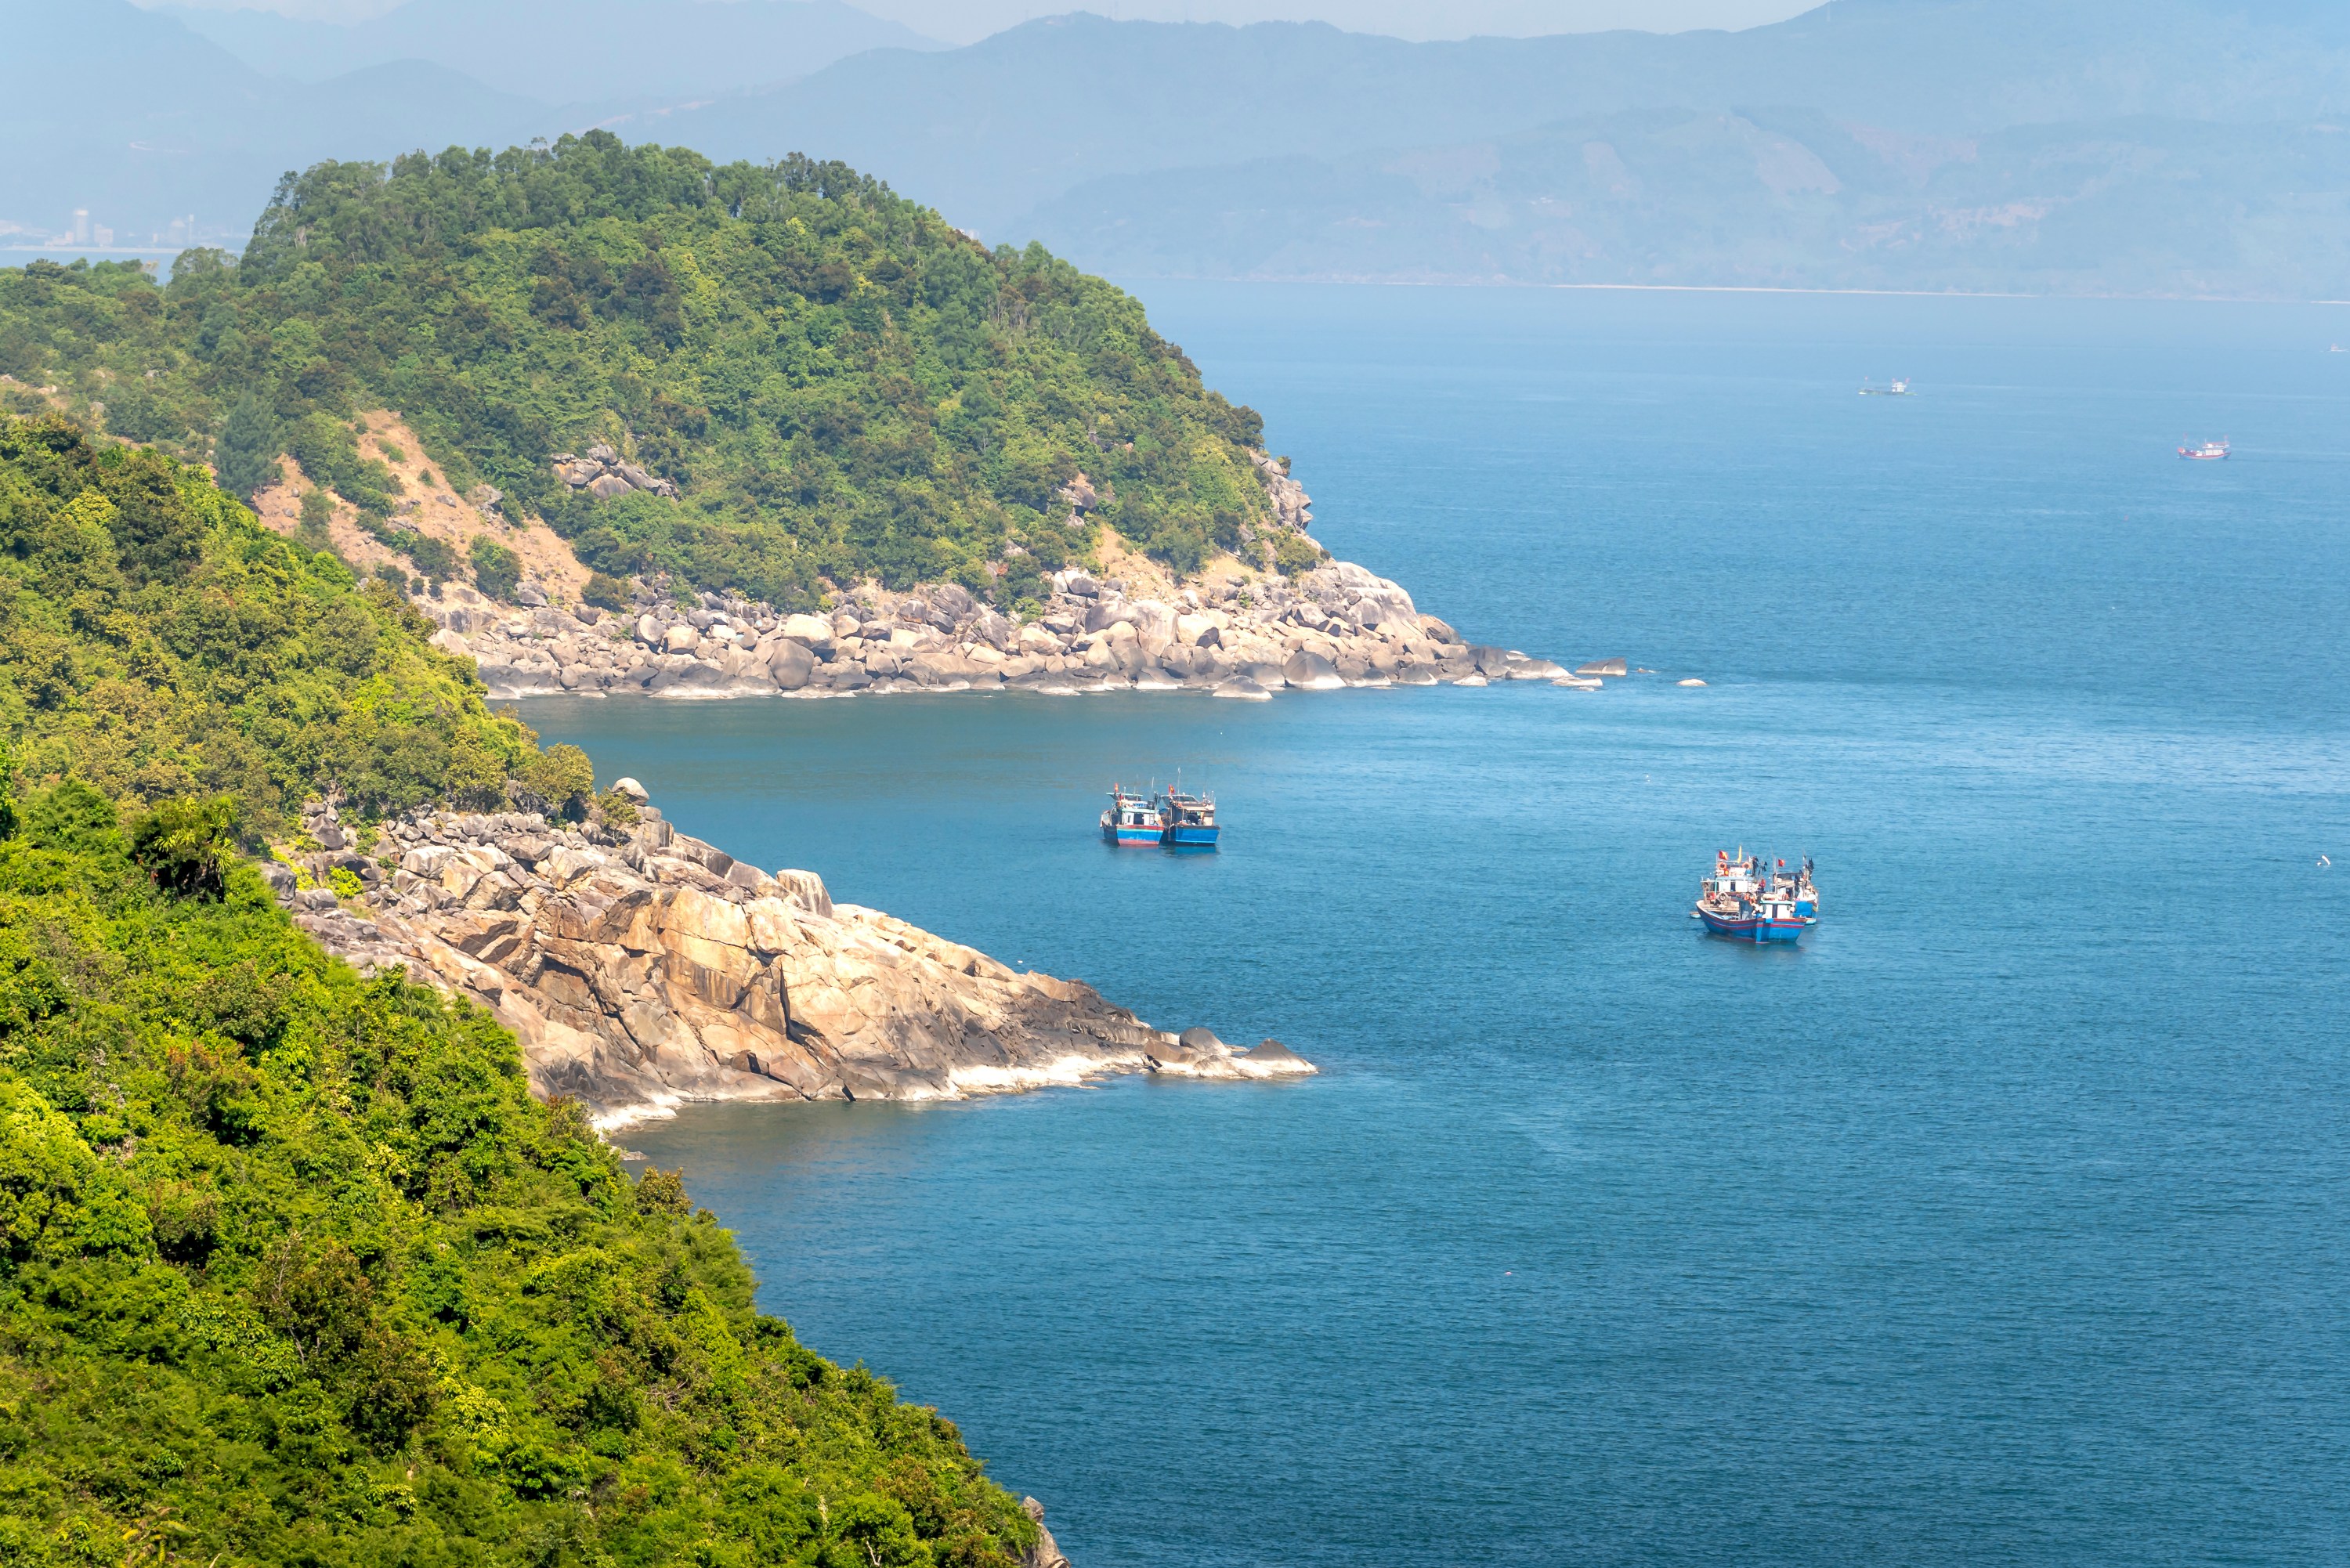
x: 1068, y: 1072
x: 659, y: 1108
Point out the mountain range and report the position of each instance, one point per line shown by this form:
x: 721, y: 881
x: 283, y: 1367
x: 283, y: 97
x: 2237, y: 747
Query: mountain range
x: 2158, y: 146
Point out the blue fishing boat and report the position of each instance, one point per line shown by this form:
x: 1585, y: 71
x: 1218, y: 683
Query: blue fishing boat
x: 1190, y: 819
x: 1130, y: 819
x: 1750, y: 902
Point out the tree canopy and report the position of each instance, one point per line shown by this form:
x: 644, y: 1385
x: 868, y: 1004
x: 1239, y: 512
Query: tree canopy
x: 840, y: 384
x: 156, y: 641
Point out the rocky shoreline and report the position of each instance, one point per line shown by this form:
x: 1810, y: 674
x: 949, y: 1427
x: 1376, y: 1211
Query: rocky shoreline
x: 641, y: 968
x: 1336, y: 625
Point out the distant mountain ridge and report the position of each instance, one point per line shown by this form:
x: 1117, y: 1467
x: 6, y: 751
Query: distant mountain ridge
x: 567, y: 51
x: 2093, y: 148
x: 2097, y: 147
x: 990, y: 132
x: 131, y: 116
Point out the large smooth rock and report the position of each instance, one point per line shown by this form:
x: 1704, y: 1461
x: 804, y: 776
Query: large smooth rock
x: 953, y: 600
x: 1602, y: 667
x: 1274, y: 1055
x: 994, y: 630
x: 790, y: 664
x: 814, y: 632
x: 679, y: 640
x: 1309, y: 672
x: 605, y: 486
x: 1490, y: 661
x: 1243, y: 689
x: 702, y: 676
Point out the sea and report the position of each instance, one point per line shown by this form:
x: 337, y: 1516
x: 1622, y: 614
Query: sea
x: 2004, y: 1220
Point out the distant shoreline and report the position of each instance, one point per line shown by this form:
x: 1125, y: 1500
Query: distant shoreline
x: 1128, y: 279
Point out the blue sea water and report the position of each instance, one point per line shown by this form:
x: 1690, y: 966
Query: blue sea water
x: 2007, y: 1222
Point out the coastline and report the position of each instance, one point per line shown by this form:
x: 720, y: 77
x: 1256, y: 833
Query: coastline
x: 1238, y: 636
x: 642, y: 969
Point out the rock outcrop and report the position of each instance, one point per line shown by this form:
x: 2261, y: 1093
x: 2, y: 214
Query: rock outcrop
x: 604, y: 474
x: 1246, y: 629
x: 1047, y: 1552
x: 1337, y: 624
x: 640, y: 968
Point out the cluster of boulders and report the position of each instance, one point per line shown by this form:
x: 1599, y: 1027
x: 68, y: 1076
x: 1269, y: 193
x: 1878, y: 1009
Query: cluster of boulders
x: 1337, y: 624
x: 603, y: 473
x: 1292, y: 507
x: 640, y: 967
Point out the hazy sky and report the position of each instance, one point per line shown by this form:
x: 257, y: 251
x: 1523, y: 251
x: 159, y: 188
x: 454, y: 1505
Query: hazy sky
x: 964, y: 21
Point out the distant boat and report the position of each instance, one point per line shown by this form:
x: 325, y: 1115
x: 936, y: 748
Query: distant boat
x: 2205, y: 452
x: 1130, y: 819
x: 1756, y: 903
x: 1897, y: 389
x: 1189, y: 820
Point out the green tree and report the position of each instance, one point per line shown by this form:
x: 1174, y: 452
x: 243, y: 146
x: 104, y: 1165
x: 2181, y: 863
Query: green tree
x: 605, y: 592
x: 182, y: 846
x: 246, y: 453
x: 559, y: 782
x: 434, y: 559
x: 497, y: 569
x: 318, y: 512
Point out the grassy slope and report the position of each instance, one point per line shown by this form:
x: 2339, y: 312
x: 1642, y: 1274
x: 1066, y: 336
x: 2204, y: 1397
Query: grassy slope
x: 842, y: 385
x: 292, y: 1268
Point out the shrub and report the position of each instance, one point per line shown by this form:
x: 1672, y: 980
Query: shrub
x: 1293, y: 554
x: 559, y: 782
x: 182, y: 846
x: 435, y: 561
x: 497, y: 569
x: 605, y: 592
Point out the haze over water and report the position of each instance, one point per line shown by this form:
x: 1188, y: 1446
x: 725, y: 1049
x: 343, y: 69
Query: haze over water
x: 2004, y: 1222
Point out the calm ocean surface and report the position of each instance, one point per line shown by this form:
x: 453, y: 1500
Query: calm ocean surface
x: 2008, y: 1221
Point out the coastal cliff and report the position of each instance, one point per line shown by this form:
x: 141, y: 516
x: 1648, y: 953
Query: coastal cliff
x: 640, y: 968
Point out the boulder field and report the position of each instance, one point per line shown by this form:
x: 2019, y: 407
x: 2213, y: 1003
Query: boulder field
x: 640, y: 968
x: 1337, y: 625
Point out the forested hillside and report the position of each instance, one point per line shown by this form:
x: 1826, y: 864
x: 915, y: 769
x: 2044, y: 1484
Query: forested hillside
x: 838, y: 384
x: 293, y: 1270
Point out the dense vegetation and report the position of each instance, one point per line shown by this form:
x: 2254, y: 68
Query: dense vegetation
x: 840, y: 384
x: 156, y: 641
x: 293, y: 1269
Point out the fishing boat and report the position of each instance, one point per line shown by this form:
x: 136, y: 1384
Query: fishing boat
x: 2205, y: 452
x: 1190, y: 819
x: 1897, y: 389
x: 1130, y: 819
x: 1750, y: 902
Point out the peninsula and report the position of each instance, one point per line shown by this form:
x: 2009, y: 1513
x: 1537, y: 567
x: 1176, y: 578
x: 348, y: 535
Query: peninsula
x: 309, y: 1261
x: 620, y: 419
